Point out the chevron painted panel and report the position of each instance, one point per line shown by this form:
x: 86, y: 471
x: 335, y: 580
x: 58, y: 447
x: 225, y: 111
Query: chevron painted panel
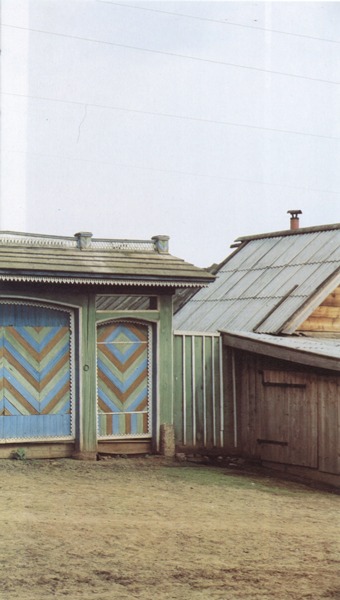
x: 124, y: 404
x: 34, y: 374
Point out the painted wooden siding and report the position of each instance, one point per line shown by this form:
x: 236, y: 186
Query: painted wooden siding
x: 198, y: 393
x: 35, y: 396
x: 124, y: 398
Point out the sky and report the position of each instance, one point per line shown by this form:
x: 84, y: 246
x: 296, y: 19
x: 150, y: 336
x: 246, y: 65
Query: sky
x: 204, y: 121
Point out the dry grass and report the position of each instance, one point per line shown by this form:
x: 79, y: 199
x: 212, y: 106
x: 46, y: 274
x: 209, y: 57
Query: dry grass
x: 144, y: 528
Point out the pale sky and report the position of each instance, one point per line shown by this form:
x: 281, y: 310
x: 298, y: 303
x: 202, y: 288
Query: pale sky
x: 200, y: 120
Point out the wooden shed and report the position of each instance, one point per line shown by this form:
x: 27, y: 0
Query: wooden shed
x: 276, y: 305
x: 86, y: 343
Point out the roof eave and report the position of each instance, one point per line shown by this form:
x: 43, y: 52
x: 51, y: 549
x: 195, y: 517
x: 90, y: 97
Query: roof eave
x: 107, y: 280
x: 240, y: 341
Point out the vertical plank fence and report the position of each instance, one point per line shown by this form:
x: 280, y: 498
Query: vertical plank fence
x: 198, y: 391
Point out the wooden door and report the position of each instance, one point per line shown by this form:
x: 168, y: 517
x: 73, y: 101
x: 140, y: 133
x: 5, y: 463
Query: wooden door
x: 288, y: 418
x: 34, y: 373
x: 124, y: 380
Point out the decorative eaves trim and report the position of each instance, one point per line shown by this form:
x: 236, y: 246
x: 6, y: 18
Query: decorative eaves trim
x: 71, y: 280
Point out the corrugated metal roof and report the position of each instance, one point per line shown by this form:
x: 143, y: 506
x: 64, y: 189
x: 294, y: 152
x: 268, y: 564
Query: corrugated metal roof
x: 325, y: 348
x: 265, y: 282
x: 46, y: 258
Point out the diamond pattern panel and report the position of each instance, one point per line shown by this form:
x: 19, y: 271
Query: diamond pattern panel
x: 123, y: 380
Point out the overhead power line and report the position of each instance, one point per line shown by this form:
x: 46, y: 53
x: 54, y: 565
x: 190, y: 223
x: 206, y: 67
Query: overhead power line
x: 222, y: 22
x: 174, y: 171
x: 178, y: 117
x: 176, y: 55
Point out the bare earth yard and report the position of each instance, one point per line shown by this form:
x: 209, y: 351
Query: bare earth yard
x: 152, y: 529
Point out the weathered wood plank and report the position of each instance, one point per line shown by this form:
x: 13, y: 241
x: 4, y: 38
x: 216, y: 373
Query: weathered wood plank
x: 324, y: 324
x: 329, y: 425
x: 330, y: 312
x: 125, y: 447
x: 41, y: 450
x: 274, y: 423
x: 333, y: 299
x: 302, y: 425
x: 242, y: 398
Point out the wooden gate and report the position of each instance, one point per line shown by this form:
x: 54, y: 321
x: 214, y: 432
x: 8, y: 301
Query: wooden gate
x: 35, y: 394
x: 124, y: 380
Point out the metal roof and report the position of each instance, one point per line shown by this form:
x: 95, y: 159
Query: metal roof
x: 266, y: 282
x: 323, y: 353
x: 82, y: 259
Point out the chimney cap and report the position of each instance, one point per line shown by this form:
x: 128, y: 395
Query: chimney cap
x: 84, y: 239
x: 294, y: 213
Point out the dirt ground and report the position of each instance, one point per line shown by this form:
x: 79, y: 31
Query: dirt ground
x: 153, y: 529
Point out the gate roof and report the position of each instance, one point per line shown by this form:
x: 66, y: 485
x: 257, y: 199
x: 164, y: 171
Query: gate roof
x: 83, y: 259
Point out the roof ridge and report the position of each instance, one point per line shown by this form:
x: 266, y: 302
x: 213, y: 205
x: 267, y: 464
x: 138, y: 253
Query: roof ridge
x: 286, y: 232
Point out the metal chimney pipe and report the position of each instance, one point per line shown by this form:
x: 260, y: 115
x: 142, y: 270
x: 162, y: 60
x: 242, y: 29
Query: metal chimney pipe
x: 294, y: 219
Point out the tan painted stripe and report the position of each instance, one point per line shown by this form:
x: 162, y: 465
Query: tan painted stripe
x: 127, y: 423
x: 109, y: 384
x: 47, y: 410
x: 142, y: 405
x: 38, y: 355
x: 140, y: 331
x: 25, y: 374
x: 142, y: 377
x: 122, y: 396
x: 57, y: 367
x: 54, y: 341
x: 16, y: 335
x: 145, y: 423
x: 122, y: 367
x: 103, y: 406
x: 21, y: 400
x: 104, y: 331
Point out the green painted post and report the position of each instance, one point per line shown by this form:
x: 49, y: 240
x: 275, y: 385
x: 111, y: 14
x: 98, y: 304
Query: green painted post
x: 87, y: 443
x: 165, y: 365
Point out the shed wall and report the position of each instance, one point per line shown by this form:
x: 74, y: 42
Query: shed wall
x: 287, y: 413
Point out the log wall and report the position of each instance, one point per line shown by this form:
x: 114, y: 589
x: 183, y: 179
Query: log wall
x: 325, y: 318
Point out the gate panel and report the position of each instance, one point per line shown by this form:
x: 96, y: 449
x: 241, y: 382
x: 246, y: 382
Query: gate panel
x: 124, y: 399
x: 35, y: 373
